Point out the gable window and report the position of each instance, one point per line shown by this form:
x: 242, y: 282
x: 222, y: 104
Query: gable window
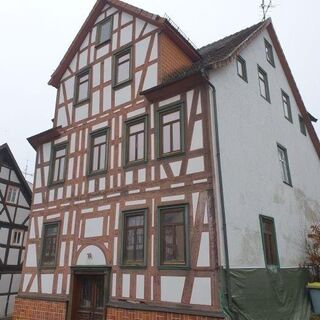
x: 242, y: 68
x: 284, y: 164
x: 134, y: 238
x: 99, y: 151
x: 12, y: 195
x: 136, y: 140
x: 122, y: 67
x: 49, y: 244
x: 269, y: 241
x: 286, y: 106
x: 171, y: 130
x: 173, y: 232
x: 17, y: 237
x: 263, y: 84
x: 302, y: 126
x: 269, y: 52
x: 82, y: 87
x: 58, y: 164
x: 104, y: 29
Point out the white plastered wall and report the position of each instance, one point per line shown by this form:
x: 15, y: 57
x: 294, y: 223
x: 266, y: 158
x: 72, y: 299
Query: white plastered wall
x: 250, y: 129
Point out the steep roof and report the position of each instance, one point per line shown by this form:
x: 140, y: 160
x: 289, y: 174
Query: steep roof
x: 5, y: 153
x: 154, y: 19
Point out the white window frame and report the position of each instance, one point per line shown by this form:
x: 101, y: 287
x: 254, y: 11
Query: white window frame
x: 10, y: 194
x: 13, y: 242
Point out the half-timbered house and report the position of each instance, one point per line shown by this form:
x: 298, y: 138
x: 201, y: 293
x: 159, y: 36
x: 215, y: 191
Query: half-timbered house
x: 129, y: 217
x: 15, y: 203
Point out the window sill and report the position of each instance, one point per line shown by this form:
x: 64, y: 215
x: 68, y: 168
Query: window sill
x: 174, y: 267
x: 133, y: 266
x: 172, y: 154
x: 97, y: 173
x: 267, y: 99
x: 56, y: 184
x: 135, y: 164
x: 288, y: 184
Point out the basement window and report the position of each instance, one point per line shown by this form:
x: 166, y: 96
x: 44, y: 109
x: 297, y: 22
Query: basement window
x: 242, y: 68
x: 104, y: 29
x: 269, y: 241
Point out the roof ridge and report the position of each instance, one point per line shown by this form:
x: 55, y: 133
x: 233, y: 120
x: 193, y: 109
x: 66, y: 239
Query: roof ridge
x: 234, y: 34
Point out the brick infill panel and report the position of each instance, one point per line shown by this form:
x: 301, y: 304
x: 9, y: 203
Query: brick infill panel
x: 28, y: 309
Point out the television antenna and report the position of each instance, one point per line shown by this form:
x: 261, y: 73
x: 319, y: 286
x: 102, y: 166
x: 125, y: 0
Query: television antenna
x: 265, y: 8
x: 26, y: 169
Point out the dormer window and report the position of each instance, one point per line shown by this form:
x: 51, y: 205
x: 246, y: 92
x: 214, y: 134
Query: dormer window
x: 269, y: 52
x: 122, y: 67
x: 104, y: 29
x: 82, y: 86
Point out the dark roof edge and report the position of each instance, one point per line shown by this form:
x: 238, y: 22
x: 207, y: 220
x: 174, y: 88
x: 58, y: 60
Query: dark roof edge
x: 44, y: 137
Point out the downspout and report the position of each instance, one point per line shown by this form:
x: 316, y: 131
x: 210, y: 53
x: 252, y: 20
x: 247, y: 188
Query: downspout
x: 221, y: 193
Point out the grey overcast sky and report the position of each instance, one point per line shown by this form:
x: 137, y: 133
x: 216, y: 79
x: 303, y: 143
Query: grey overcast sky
x: 35, y: 34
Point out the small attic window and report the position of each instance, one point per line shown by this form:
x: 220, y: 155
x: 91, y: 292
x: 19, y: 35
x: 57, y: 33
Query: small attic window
x: 104, y: 29
x: 303, y: 128
x: 269, y: 53
x: 242, y: 68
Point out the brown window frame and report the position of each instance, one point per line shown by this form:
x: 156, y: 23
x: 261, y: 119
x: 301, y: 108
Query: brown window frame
x: 82, y: 73
x: 100, y: 24
x: 54, y: 151
x: 161, y: 112
x: 135, y: 263
x: 93, y: 135
x: 129, y: 123
x: 116, y: 57
x: 174, y: 263
x: 269, y: 242
x: 264, y: 79
x: 269, y: 52
x: 43, y: 244
x: 243, y: 66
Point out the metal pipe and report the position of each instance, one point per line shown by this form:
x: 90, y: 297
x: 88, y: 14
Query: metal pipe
x: 221, y: 193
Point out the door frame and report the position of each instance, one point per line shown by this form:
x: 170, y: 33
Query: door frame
x: 90, y: 271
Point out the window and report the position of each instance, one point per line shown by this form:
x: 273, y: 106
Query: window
x: 99, y: 151
x: 17, y: 237
x: 284, y: 165
x: 49, y: 244
x: 136, y: 140
x: 269, y: 52
x: 104, y: 29
x: 263, y: 84
x: 269, y: 241
x: 134, y: 238
x: 173, y: 232
x: 286, y: 106
x: 122, y: 67
x: 302, y: 126
x: 12, y: 195
x: 82, y: 87
x: 58, y: 165
x: 171, y: 130
x: 242, y: 68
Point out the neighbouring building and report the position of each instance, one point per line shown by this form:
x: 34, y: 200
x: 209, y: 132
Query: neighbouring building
x: 175, y: 183
x: 15, y: 203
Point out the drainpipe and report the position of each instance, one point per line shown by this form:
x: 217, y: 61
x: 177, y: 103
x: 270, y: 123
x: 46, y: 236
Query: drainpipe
x: 214, y: 113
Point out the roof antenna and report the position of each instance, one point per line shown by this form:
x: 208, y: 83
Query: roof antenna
x: 265, y: 8
x: 25, y: 172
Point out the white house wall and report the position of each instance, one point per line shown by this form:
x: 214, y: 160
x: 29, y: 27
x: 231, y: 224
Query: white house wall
x: 250, y: 129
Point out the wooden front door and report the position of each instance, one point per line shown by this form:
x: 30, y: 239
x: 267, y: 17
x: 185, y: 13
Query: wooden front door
x: 90, y: 298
